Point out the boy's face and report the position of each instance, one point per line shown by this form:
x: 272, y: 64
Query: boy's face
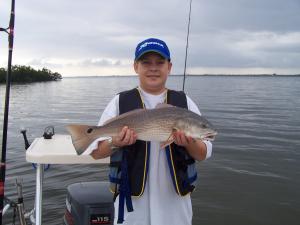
x: 153, y: 71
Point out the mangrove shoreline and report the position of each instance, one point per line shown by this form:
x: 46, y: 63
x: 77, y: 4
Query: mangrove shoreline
x: 27, y: 74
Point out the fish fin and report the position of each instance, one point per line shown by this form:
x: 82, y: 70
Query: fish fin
x: 124, y: 115
x: 163, y: 105
x: 169, y: 141
x: 80, y: 136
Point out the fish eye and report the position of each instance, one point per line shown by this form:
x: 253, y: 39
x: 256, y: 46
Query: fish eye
x: 90, y: 130
x: 204, y: 126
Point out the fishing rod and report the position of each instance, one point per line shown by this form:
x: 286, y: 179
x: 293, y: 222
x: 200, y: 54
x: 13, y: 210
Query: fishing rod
x: 187, y: 45
x: 10, y: 32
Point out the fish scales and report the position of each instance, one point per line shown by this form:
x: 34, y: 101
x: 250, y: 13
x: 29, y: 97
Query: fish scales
x: 149, y: 124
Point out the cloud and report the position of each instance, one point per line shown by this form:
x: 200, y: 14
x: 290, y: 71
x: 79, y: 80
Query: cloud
x: 254, y: 15
x: 99, y: 62
x: 99, y: 36
x: 47, y: 63
x: 59, y: 63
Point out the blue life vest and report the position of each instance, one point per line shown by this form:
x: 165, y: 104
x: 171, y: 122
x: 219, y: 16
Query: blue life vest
x: 129, y: 166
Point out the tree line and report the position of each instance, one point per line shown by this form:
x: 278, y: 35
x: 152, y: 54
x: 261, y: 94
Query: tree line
x: 26, y: 74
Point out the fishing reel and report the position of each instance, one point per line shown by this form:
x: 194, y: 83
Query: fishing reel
x: 48, y: 132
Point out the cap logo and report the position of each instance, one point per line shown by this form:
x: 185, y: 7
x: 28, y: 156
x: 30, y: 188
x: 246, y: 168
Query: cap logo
x: 150, y: 43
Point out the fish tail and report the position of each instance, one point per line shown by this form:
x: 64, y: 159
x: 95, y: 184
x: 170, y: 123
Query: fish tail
x: 81, y: 137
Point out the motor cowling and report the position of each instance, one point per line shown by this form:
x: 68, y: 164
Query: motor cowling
x: 89, y: 203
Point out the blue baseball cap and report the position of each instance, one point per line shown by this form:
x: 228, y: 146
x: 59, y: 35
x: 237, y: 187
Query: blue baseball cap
x: 152, y: 45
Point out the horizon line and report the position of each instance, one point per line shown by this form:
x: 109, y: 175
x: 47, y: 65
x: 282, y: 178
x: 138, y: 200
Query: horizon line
x: 179, y: 75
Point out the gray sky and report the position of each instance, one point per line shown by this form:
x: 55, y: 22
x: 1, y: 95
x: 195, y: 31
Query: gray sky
x: 95, y: 37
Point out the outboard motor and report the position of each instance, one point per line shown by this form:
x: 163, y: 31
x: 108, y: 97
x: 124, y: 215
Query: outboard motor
x: 89, y: 203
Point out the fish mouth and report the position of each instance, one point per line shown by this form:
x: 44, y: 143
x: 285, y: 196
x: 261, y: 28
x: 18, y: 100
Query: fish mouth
x: 210, y: 136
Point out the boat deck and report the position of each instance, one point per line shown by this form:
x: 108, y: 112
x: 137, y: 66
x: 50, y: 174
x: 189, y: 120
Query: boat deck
x: 58, y: 150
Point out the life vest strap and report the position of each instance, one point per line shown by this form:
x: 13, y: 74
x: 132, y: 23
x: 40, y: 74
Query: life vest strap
x: 115, y: 164
x: 187, y: 182
x: 124, y: 190
x: 114, y: 180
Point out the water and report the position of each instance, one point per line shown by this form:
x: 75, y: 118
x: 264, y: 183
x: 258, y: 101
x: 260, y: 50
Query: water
x: 252, y: 178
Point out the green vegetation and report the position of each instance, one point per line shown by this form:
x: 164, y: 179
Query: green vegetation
x: 26, y: 74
